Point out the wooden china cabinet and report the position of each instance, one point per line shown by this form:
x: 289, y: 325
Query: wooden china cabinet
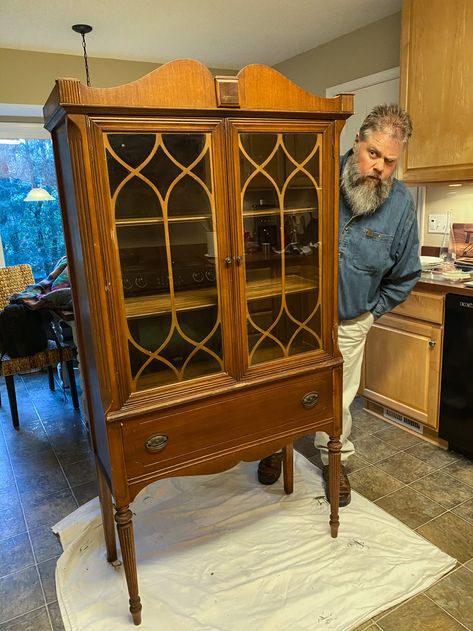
x: 200, y: 216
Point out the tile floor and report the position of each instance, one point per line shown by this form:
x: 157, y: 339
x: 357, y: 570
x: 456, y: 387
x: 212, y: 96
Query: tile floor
x: 46, y: 471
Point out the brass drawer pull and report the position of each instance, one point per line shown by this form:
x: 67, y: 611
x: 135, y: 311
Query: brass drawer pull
x: 156, y: 442
x: 310, y: 399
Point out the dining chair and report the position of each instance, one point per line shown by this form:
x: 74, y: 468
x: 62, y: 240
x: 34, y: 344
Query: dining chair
x: 14, y: 279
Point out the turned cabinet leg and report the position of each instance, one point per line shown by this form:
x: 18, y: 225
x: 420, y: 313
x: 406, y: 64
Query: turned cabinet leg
x: 106, y: 507
x: 288, y: 468
x: 123, y: 517
x: 334, y: 462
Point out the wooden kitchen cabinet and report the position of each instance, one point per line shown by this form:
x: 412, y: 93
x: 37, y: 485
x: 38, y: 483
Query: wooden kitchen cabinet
x: 436, y: 89
x: 403, y: 356
x: 200, y: 217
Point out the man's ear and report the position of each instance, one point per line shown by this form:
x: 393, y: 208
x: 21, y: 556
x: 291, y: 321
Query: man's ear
x: 357, y: 139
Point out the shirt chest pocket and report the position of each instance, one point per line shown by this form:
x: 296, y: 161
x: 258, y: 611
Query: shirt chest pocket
x: 372, y: 252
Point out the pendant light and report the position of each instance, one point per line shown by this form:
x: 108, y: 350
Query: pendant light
x: 38, y: 194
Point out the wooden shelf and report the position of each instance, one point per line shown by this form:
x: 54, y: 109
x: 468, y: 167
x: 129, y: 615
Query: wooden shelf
x: 151, y: 221
x: 201, y: 369
x: 257, y: 290
x: 299, y: 187
x: 275, y: 353
x: 187, y: 300
x: 193, y: 371
x: 145, y: 221
x: 265, y: 260
x: 276, y: 211
x: 145, y: 306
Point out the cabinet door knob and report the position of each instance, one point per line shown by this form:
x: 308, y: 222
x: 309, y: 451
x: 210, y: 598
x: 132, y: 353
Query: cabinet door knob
x: 228, y: 260
x: 156, y: 442
x: 310, y: 399
x: 238, y: 259
x: 432, y: 343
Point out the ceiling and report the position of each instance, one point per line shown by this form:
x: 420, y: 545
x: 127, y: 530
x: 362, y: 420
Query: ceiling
x: 219, y: 33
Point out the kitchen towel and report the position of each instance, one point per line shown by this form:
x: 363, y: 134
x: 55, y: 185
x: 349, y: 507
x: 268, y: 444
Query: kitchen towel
x: 223, y: 553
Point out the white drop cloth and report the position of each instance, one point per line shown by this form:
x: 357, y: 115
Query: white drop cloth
x: 223, y: 553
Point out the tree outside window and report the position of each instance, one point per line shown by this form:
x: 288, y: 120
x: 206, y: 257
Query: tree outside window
x: 31, y: 232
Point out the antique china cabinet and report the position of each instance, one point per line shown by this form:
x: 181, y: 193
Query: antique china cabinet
x: 200, y: 216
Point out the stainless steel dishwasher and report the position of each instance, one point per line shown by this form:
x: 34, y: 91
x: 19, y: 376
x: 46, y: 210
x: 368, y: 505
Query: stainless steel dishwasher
x: 456, y: 396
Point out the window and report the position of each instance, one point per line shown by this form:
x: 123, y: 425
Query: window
x: 31, y: 231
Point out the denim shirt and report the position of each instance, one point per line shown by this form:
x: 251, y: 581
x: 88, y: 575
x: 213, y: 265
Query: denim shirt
x: 378, y: 254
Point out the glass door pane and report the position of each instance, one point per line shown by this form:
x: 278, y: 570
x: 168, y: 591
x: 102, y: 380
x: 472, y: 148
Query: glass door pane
x: 280, y: 194
x: 161, y: 188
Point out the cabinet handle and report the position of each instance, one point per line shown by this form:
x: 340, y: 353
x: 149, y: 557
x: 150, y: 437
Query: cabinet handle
x: 432, y: 343
x: 156, y: 442
x: 238, y: 259
x: 310, y: 399
x: 228, y: 260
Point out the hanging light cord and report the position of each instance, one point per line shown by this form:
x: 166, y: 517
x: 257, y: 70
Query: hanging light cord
x: 83, y: 29
x: 84, y: 46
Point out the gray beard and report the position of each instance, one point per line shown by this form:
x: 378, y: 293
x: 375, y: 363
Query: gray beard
x: 362, y: 195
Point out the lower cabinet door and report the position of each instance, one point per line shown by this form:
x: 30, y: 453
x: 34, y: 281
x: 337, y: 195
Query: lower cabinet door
x: 402, y: 367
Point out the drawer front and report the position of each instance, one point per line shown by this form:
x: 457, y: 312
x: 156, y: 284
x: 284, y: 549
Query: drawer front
x: 238, y: 419
x: 423, y: 306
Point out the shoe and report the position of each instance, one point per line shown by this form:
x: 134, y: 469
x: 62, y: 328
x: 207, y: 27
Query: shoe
x: 345, y: 488
x: 269, y: 469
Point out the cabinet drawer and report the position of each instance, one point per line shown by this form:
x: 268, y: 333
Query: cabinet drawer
x: 237, y: 419
x: 423, y: 306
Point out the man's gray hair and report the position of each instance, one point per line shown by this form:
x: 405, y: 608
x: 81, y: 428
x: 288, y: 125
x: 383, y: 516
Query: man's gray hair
x: 387, y: 119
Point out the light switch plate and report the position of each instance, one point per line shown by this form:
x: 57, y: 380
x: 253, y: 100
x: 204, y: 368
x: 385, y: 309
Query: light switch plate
x: 437, y: 223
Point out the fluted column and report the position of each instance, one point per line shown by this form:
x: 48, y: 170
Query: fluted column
x: 334, y: 461
x: 123, y: 518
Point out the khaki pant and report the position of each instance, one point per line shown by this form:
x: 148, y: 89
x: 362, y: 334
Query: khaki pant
x: 351, y: 341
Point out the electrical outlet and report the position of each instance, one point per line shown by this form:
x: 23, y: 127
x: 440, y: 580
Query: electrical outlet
x: 437, y: 223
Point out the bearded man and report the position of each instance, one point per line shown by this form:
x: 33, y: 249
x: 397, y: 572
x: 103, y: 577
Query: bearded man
x: 378, y: 259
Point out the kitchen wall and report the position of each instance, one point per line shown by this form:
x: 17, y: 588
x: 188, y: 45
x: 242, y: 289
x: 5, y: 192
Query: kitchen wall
x: 363, y: 52
x: 439, y: 199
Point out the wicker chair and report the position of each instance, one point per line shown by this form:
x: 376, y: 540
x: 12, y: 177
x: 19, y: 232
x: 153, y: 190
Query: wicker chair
x: 14, y: 279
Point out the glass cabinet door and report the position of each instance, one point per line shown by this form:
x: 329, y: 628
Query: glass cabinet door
x: 280, y: 200
x: 162, y: 197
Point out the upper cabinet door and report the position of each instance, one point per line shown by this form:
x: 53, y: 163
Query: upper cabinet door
x: 280, y: 208
x: 216, y: 249
x: 163, y: 204
x: 437, y: 90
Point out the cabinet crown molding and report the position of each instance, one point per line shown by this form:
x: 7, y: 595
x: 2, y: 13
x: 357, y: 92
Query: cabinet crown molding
x: 188, y: 84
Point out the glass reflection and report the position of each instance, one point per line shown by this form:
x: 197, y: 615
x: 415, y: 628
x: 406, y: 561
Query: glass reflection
x: 132, y: 149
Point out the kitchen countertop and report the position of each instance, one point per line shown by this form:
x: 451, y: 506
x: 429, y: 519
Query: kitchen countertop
x: 441, y: 285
